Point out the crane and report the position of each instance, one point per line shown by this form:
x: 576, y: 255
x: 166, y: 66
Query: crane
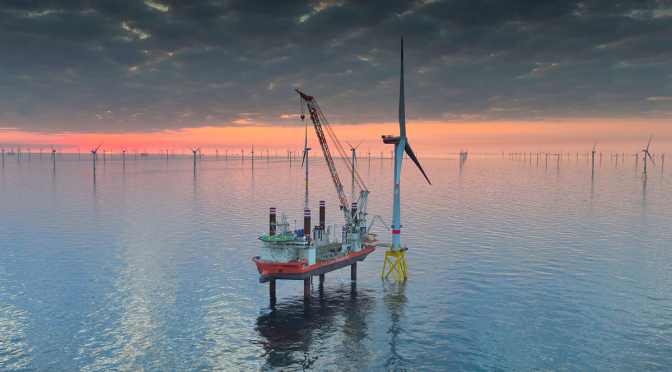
x: 318, y: 119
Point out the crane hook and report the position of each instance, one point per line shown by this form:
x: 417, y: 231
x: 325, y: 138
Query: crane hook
x: 302, y: 108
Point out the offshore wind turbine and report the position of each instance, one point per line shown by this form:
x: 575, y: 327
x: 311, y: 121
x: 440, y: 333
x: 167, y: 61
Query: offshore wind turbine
x: 401, y: 146
x: 305, y: 153
x: 123, y: 155
x: 53, y: 156
x: 194, y: 151
x: 354, y: 156
x: 559, y: 155
x: 646, y: 153
x: 593, y: 152
x: 3, y: 155
x: 252, y: 155
x: 41, y: 152
x: 95, y: 159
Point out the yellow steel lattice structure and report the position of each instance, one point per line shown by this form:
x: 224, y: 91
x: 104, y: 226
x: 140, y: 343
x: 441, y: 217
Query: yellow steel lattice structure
x: 397, y: 265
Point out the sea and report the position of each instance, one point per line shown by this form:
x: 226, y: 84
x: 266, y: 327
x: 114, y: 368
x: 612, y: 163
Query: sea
x: 514, y: 264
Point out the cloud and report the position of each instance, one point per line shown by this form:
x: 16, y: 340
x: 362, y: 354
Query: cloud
x: 659, y: 99
x: 132, y: 66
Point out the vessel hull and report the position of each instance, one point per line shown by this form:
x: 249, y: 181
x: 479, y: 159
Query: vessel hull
x: 295, y: 271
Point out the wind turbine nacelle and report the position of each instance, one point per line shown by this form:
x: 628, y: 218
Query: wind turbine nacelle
x: 390, y: 140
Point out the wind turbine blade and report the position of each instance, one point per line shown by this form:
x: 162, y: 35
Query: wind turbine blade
x: 359, y: 144
x: 647, y: 146
x: 647, y: 153
x: 190, y: 148
x: 98, y: 146
x: 349, y: 144
x: 305, y: 153
x: 594, y: 145
x: 411, y: 155
x: 402, y: 108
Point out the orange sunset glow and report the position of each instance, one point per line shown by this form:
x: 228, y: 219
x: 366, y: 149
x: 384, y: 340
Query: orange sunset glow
x: 430, y: 138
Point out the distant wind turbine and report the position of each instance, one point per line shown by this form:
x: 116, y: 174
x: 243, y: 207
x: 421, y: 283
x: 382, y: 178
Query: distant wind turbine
x: 252, y: 155
x: 354, y: 156
x: 194, y: 151
x: 53, y: 156
x: 305, y: 154
x: 95, y: 158
x: 646, y: 153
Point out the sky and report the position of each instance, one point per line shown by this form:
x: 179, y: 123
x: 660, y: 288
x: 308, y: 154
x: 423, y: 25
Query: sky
x: 483, y: 75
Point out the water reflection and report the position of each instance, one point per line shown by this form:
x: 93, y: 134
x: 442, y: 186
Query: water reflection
x: 295, y: 333
x: 15, y: 353
x: 142, y: 303
x: 395, y: 303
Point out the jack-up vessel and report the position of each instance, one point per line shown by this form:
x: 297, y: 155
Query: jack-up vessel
x: 315, y: 250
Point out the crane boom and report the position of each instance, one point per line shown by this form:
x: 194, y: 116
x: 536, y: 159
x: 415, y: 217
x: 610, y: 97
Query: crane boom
x: 315, y: 118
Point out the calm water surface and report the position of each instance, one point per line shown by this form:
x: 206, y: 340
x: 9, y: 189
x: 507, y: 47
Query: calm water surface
x: 512, y: 266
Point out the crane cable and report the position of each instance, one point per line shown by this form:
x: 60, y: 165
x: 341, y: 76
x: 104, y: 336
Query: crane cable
x: 339, y: 147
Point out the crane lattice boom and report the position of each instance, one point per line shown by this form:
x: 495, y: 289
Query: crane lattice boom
x: 317, y: 117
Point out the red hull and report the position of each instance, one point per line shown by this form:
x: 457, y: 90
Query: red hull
x: 296, y: 271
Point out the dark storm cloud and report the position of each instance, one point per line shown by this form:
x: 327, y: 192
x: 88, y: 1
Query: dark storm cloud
x: 114, y: 66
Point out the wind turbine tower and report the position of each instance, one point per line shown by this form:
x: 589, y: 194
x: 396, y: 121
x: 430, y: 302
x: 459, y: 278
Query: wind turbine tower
x: 593, y: 152
x: 53, y: 156
x: 305, y: 153
x: 194, y: 151
x: 354, y: 156
x: 95, y: 159
x: 646, y: 153
x: 401, y: 146
x: 252, y: 155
